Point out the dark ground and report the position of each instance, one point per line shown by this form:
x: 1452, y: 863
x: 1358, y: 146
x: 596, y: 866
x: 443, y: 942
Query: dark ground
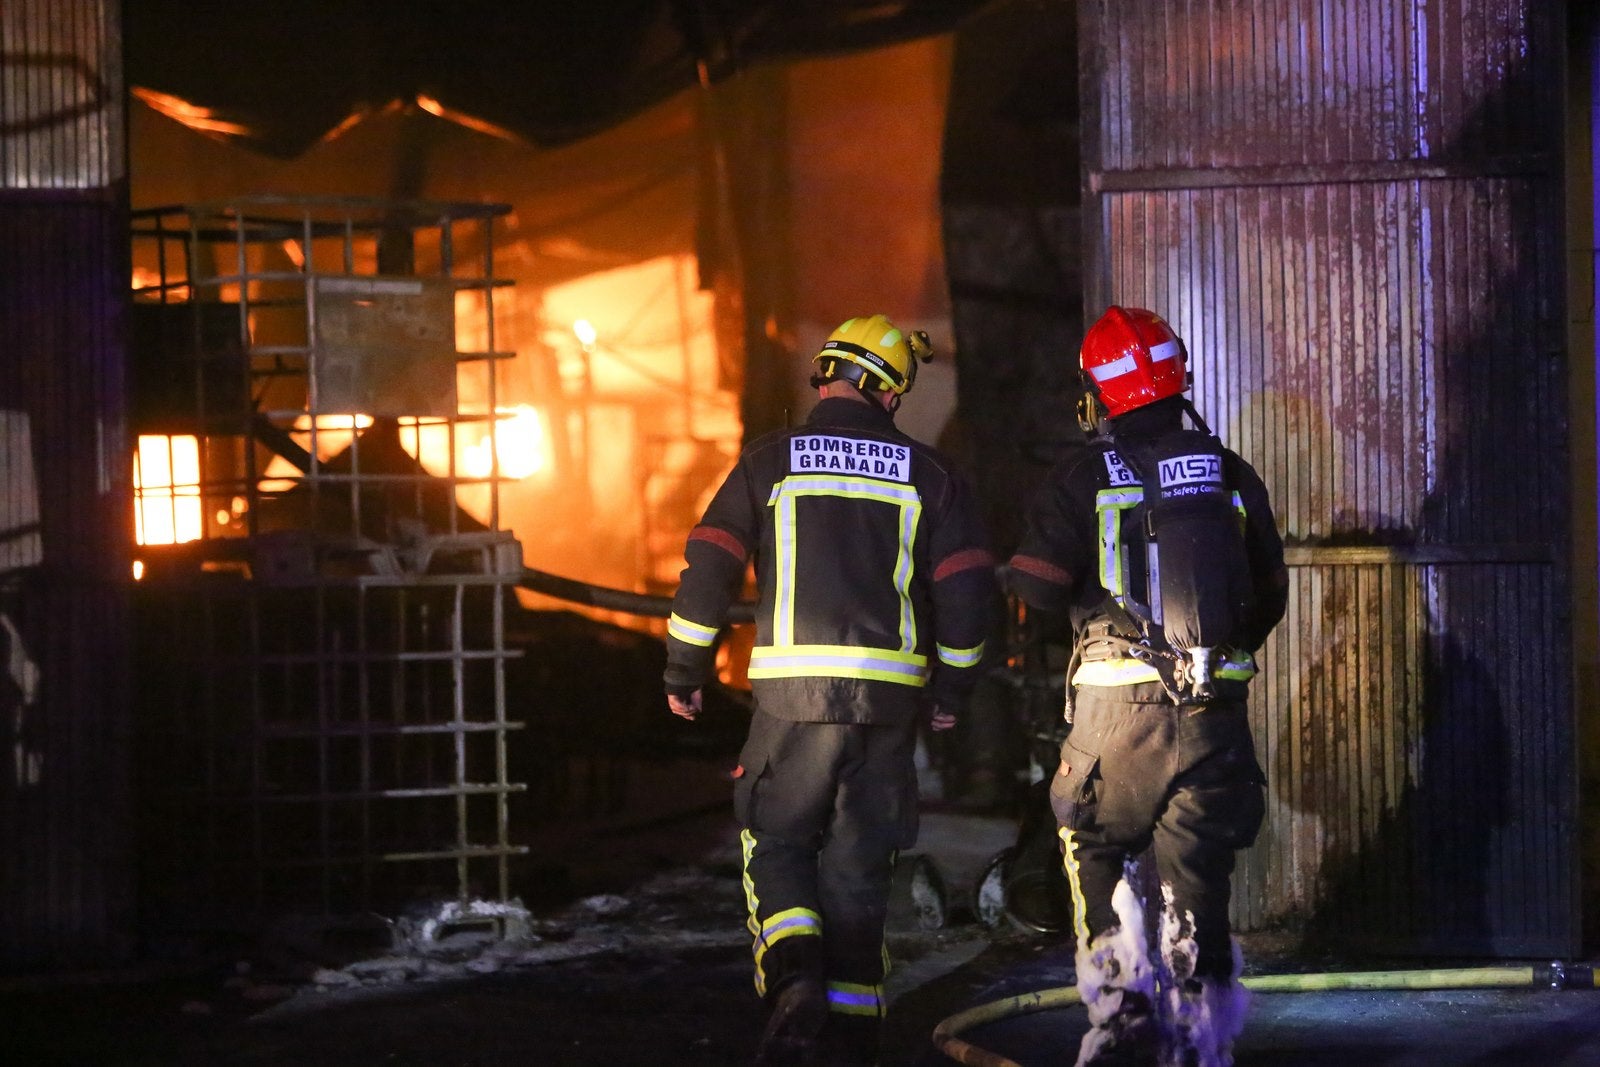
x: 648, y: 963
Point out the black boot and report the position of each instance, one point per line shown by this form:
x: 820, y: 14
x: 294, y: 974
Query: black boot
x: 1118, y: 988
x: 1129, y: 1038
x: 794, y: 1025
x: 851, y: 1040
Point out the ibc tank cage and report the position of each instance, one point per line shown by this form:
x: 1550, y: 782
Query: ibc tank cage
x: 320, y: 646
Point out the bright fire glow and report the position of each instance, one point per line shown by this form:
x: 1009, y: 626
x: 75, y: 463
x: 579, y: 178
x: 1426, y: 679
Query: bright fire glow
x: 148, y: 282
x: 334, y: 434
x: 166, y: 490
x: 333, y: 422
x: 521, y: 439
x: 461, y: 118
x: 191, y: 115
x: 585, y: 332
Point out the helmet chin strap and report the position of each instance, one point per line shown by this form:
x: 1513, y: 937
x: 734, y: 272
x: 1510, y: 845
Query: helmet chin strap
x: 870, y: 395
x: 870, y: 392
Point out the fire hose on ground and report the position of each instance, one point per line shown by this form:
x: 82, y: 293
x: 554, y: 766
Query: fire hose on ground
x: 1554, y: 975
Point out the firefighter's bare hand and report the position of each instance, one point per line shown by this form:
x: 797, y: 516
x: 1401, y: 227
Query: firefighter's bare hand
x: 685, y: 708
x: 943, y: 718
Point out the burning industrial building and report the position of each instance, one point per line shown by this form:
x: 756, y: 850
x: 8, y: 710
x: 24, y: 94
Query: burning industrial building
x: 367, y: 366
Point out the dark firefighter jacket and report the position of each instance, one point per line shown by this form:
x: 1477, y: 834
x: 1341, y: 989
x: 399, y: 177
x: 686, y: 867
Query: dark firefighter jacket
x: 1058, y: 565
x: 875, y: 579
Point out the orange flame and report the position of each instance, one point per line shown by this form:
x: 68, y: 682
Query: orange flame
x: 166, y: 490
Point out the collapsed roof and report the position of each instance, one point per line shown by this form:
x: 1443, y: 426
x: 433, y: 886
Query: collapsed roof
x: 284, y: 76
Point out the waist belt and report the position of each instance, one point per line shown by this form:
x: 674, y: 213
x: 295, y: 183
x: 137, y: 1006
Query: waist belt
x: 1104, y: 656
x: 1126, y: 670
x: 1117, y: 670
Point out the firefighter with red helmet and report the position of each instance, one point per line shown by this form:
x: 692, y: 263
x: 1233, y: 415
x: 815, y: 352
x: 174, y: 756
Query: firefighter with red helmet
x: 1162, y: 545
x: 875, y: 590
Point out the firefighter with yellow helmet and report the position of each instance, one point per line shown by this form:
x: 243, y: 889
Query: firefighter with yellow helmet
x: 875, y: 590
x: 1161, y: 544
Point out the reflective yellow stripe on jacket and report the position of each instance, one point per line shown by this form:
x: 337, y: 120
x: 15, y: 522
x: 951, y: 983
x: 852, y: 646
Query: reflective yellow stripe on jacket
x: 690, y: 633
x: 785, y: 659
x: 838, y: 661
x: 960, y: 657
x: 1109, y: 504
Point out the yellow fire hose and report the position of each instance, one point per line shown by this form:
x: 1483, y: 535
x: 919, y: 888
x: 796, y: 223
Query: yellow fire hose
x: 1554, y: 975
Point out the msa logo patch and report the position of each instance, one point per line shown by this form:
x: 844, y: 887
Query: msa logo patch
x: 1118, y: 471
x: 1189, y: 470
x: 811, y: 453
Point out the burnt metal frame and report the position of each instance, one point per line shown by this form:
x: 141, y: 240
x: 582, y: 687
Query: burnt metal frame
x: 342, y: 583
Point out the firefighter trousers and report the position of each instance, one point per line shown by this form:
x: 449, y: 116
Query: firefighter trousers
x: 1181, y: 780
x: 825, y: 809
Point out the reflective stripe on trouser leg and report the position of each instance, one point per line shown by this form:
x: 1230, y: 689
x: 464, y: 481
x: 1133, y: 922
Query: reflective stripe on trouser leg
x: 855, y: 998
x: 747, y: 845
x: 1080, y: 907
x: 795, y: 922
x: 775, y: 928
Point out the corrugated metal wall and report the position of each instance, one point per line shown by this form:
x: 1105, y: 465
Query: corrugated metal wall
x: 66, y: 883
x: 1351, y: 209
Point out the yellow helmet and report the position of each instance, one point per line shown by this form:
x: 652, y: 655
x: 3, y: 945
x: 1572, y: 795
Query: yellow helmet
x: 872, y: 353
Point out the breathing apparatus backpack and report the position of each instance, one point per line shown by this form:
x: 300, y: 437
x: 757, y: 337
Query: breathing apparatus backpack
x: 1196, y: 588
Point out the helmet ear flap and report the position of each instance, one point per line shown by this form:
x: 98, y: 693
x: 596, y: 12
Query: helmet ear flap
x: 1090, y: 413
x: 921, y: 349
x: 921, y: 346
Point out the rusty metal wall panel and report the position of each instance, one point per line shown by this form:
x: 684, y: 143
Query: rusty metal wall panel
x: 61, y: 109
x: 1238, y: 83
x: 65, y: 806
x: 1417, y: 798
x: 66, y: 894
x: 1331, y: 203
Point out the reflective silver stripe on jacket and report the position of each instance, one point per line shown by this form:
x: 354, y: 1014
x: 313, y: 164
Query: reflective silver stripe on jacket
x: 960, y: 657
x: 785, y: 659
x: 1109, y: 504
x: 690, y: 633
x: 838, y: 661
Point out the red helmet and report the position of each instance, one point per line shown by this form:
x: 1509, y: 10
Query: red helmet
x: 1131, y: 358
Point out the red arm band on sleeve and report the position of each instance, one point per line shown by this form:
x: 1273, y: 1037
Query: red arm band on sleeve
x: 1041, y: 569
x: 965, y: 560
x: 724, y: 540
